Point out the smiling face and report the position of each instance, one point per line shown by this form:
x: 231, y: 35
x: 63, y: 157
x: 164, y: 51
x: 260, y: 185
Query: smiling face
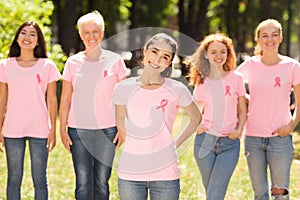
x: 269, y: 38
x: 91, y: 35
x: 217, y: 54
x: 28, y: 38
x: 158, y: 56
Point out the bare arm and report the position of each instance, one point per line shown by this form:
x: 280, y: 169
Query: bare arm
x: 52, y: 110
x: 3, y: 104
x: 195, y: 118
x: 242, y: 117
x: 120, y: 120
x: 65, y: 103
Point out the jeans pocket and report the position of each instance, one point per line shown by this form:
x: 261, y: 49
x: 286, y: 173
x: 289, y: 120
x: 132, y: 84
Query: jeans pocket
x: 110, y: 133
x: 208, y: 143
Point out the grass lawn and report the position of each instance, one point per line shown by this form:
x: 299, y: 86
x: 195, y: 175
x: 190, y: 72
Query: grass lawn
x: 61, y: 176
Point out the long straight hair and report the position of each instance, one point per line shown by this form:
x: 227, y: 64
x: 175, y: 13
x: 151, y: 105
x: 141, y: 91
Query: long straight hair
x: 40, y: 51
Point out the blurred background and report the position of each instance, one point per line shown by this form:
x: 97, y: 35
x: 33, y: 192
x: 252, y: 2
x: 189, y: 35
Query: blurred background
x: 193, y: 18
x: 188, y: 21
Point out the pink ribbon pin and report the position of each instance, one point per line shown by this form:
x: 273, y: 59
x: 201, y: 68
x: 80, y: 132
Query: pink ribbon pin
x: 105, y: 73
x: 38, y: 78
x: 163, y: 104
x: 277, y: 81
x: 227, y: 90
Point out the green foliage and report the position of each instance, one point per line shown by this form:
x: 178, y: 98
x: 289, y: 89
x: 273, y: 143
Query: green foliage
x: 124, y: 10
x: 16, y: 12
x: 155, y: 13
x: 61, y: 176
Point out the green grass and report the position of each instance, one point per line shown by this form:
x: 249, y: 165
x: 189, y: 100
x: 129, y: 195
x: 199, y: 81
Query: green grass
x: 61, y: 176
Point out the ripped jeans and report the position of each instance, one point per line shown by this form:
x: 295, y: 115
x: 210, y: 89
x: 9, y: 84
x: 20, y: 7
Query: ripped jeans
x: 275, y: 152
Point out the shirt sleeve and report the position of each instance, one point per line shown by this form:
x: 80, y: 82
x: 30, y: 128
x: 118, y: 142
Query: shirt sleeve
x: 241, y: 86
x: 2, y: 73
x: 185, y: 97
x: 196, y: 92
x: 121, y: 69
x: 66, y: 72
x: 296, y: 74
x: 54, y: 74
x: 117, y: 97
x: 243, y: 68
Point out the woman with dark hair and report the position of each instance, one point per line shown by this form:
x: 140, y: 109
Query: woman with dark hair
x: 27, y: 104
x: 148, y: 104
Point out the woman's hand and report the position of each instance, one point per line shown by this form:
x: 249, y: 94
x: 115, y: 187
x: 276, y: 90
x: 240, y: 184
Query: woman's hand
x: 66, y: 140
x: 2, y: 144
x: 51, y: 142
x: 201, y: 129
x: 119, y: 139
x: 234, y: 134
x: 285, y: 130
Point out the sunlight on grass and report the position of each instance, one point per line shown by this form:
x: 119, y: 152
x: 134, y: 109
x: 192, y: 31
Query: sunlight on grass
x: 61, y: 176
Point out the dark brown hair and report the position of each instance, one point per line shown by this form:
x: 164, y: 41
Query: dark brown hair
x: 40, y: 51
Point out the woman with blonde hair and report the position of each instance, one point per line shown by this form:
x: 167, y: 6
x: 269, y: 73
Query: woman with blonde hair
x: 87, y: 122
x: 269, y: 128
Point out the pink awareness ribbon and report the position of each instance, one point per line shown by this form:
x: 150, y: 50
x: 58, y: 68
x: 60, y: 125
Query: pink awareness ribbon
x: 227, y: 90
x: 105, y: 73
x: 38, y: 78
x: 277, y: 81
x: 163, y: 104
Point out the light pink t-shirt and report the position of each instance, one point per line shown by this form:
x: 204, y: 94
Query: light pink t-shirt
x: 270, y: 88
x: 93, y: 84
x: 149, y: 151
x: 27, y: 114
x: 219, y: 99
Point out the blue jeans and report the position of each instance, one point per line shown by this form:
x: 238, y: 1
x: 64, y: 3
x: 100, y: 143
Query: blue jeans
x: 216, y: 158
x: 138, y: 190
x: 92, y: 153
x: 15, y: 150
x: 275, y: 152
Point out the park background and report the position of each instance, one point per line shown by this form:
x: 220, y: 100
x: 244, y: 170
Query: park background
x: 193, y: 18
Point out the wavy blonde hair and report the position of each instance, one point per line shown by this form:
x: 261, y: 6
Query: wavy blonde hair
x: 199, y: 66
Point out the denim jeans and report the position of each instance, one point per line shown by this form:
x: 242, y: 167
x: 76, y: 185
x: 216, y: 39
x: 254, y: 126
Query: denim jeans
x: 159, y: 190
x: 92, y: 153
x: 15, y: 150
x: 275, y: 152
x: 216, y: 158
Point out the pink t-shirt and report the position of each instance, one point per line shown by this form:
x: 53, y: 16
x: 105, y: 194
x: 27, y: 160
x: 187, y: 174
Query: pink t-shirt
x: 270, y: 88
x: 27, y: 114
x: 149, y: 151
x: 219, y: 99
x: 93, y: 84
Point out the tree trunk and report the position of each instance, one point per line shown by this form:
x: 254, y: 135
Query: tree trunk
x: 66, y: 20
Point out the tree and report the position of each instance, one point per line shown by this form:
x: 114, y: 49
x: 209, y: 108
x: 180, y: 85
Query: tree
x: 67, y: 12
x: 16, y: 12
x: 65, y: 18
x: 192, y: 18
